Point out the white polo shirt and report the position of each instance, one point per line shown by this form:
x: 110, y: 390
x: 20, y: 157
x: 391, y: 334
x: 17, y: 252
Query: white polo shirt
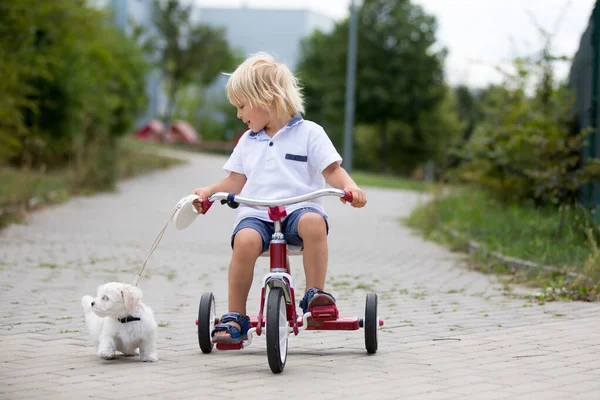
x: 289, y: 164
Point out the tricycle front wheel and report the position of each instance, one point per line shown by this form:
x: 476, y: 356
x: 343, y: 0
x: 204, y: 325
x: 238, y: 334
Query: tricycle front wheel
x: 277, y: 330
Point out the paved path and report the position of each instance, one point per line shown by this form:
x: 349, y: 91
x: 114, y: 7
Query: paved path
x: 449, y: 333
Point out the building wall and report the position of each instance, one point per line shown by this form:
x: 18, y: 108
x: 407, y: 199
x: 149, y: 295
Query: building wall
x: 278, y: 32
x: 250, y: 30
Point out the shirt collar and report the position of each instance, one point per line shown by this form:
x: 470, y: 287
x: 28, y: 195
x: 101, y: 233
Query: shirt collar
x: 296, y: 119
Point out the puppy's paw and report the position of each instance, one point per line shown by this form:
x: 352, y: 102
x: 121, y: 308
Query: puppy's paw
x: 106, y: 354
x: 153, y: 357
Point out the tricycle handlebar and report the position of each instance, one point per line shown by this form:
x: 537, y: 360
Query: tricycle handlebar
x: 234, y: 200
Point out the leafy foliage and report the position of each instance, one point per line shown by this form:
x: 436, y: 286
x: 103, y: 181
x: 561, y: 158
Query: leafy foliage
x: 186, y: 52
x: 74, y: 83
x: 400, y: 109
x: 525, y: 147
x: 522, y: 145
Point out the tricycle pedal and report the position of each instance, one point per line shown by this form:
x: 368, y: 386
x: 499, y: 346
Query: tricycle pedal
x: 324, y: 313
x: 230, y: 346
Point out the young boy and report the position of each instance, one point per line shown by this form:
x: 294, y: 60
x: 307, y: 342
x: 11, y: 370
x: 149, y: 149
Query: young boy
x: 281, y: 155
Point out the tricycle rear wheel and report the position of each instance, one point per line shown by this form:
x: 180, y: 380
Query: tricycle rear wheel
x: 371, y: 323
x: 206, y: 321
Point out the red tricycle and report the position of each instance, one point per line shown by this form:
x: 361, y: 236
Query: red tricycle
x: 278, y: 293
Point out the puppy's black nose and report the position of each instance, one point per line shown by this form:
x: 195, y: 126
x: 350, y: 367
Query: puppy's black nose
x: 93, y: 302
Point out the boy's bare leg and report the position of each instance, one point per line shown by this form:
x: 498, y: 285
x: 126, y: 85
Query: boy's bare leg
x: 313, y: 231
x: 247, y: 246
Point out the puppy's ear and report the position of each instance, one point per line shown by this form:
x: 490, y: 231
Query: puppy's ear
x: 131, y: 298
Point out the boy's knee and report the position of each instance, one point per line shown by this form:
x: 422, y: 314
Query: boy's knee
x: 312, y: 225
x: 247, y: 241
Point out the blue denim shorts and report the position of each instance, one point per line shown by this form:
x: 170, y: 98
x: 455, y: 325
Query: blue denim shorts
x: 289, y: 227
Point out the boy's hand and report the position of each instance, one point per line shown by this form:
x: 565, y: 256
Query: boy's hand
x: 359, y: 198
x: 203, y: 193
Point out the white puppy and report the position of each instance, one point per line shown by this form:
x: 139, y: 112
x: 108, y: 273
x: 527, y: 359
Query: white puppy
x: 117, y: 320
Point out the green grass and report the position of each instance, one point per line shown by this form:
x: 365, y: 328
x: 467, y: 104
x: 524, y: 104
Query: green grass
x: 18, y: 186
x: 390, y: 182
x: 515, y: 230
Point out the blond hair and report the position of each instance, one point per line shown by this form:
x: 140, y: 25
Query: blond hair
x: 262, y: 82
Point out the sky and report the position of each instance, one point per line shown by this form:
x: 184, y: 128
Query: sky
x: 479, y: 34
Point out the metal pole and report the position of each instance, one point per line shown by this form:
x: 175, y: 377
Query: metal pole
x: 119, y: 9
x: 350, y: 83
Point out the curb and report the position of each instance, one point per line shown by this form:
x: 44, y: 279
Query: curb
x: 512, y: 262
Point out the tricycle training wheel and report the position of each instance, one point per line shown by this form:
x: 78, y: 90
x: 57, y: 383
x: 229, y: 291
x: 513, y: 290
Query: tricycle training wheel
x: 371, y: 323
x: 277, y: 330
x: 206, y: 321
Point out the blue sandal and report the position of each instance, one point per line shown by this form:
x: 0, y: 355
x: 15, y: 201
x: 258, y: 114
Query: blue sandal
x: 315, y: 297
x: 237, y: 334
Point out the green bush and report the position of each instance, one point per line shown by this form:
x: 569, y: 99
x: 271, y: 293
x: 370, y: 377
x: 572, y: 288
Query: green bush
x: 525, y: 148
x: 75, y: 83
x: 404, y: 112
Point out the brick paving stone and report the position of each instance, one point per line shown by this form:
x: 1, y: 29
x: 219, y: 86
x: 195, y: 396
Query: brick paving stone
x: 450, y: 333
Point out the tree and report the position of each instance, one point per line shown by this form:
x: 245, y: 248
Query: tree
x: 186, y: 52
x: 399, y: 81
x: 442, y: 124
x: 524, y: 148
x: 70, y: 88
x: 467, y: 108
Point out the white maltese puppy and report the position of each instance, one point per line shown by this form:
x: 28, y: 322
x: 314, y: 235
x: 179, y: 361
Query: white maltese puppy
x: 117, y: 320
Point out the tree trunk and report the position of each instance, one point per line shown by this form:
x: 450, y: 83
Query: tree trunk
x: 170, y: 109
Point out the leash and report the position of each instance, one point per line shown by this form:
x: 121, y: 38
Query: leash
x: 154, y: 246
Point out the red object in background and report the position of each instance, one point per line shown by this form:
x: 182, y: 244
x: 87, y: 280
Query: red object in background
x: 179, y: 131
x: 150, y: 131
